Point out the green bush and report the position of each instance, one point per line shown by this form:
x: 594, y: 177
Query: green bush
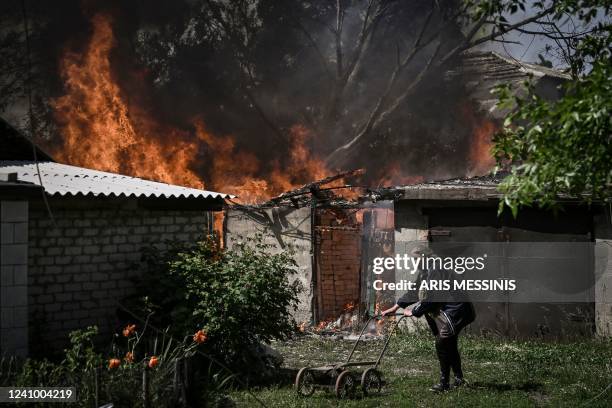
x: 160, y: 295
x: 239, y: 297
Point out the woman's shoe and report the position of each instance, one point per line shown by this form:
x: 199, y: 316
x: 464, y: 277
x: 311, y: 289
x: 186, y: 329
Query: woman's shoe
x: 459, y: 382
x: 441, y: 387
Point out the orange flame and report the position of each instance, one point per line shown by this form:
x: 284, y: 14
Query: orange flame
x: 236, y: 171
x: 481, y: 158
x: 100, y: 131
x: 380, y: 323
x: 349, y: 307
x: 218, y: 221
x: 394, y: 176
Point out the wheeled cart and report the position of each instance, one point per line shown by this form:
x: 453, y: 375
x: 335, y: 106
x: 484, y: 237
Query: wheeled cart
x: 342, y: 377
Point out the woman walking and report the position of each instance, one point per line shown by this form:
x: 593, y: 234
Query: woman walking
x: 446, y: 319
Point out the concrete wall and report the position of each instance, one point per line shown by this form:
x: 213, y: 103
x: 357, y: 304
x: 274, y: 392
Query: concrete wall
x: 282, y: 228
x: 603, y: 274
x: 481, y: 224
x: 14, y: 278
x: 89, y: 260
x: 411, y: 229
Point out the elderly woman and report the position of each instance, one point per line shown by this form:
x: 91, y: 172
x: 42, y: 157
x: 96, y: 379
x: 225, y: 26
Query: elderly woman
x: 445, y: 318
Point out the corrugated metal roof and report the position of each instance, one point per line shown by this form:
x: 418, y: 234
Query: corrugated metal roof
x: 64, y: 180
x: 468, y: 188
x: 481, y: 72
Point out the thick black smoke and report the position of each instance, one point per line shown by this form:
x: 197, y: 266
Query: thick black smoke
x: 255, y: 68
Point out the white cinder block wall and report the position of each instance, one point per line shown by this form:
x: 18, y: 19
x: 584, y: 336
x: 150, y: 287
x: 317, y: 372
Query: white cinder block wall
x: 81, y: 266
x: 14, y: 278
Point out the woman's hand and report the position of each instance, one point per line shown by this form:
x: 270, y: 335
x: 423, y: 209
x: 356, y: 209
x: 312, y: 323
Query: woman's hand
x: 408, y: 312
x: 390, y: 310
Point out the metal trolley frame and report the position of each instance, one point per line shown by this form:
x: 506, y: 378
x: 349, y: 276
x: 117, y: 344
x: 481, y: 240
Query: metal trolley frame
x: 342, y: 377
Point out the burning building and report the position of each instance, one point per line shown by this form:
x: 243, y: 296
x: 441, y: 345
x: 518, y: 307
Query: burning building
x: 335, y: 239
x: 258, y: 139
x: 71, y: 238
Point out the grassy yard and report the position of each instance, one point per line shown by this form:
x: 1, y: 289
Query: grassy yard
x: 500, y: 373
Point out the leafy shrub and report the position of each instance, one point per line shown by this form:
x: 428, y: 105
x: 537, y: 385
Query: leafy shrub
x: 239, y: 297
x: 160, y: 295
x: 74, y: 370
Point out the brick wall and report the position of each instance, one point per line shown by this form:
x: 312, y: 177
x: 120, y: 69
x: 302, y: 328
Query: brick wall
x: 338, y: 248
x: 78, y: 270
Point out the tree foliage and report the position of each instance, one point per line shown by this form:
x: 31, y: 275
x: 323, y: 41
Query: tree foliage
x: 561, y: 148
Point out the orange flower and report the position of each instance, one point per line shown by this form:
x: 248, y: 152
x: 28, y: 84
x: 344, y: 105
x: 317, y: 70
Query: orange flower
x: 129, y: 330
x: 153, y: 361
x: 200, y: 336
x: 114, y: 363
x: 129, y: 357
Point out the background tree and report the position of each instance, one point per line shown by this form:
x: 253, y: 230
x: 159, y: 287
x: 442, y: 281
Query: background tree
x: 363, y: 61
x: 563, y: 148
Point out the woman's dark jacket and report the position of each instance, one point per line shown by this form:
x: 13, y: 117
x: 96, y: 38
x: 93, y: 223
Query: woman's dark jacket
x: 458, y: 314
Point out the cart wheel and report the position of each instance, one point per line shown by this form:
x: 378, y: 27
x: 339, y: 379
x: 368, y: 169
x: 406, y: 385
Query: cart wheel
x: 304, y: 382
x: 371, y: 382
x: 345, y: 385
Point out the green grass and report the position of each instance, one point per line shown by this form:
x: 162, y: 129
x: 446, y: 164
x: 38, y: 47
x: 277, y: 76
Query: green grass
x: 501, y: 373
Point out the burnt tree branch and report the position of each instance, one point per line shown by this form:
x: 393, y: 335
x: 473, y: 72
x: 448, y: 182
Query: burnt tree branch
x: 379, y: 112
x: 401, y: 98
x: 379, y: 107
x: 239, y: 52
x: 345, y: 72
x: 314, y: 45
x: 338, y: 37
x: 367, y: 31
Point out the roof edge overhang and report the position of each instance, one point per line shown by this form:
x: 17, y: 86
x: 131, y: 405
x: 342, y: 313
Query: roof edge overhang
x: 10, y: 190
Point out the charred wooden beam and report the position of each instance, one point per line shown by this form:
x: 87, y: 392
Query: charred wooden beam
x: 315, y: 187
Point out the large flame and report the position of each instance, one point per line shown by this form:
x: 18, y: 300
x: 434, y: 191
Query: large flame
x: 101, y: 130
x: 241, y: 173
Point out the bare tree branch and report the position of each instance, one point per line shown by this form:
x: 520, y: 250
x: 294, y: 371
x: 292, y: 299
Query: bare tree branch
x: 239, y: 53
x: 382, y: 100
x: 314, y: 45
x: 338, y: 37
x: 400, y: 99
x: 367, y: 31
x: 379, y: 113
x: 511, y: 27
x: 343, y: 79
x: 503, y: 41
